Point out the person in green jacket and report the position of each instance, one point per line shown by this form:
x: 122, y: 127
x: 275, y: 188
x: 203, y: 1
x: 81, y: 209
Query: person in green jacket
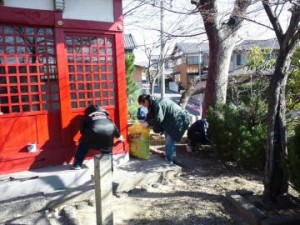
x: 165, y: 116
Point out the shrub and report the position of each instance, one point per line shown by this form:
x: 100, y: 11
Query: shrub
x: 239, y: 133
x: 131, y: 87
x: 223, y: 132
x: 294, y: 158
x: 132, y: 105
x: 251, y: 152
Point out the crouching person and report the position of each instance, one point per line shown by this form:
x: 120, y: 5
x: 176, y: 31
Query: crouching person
x: 197, y: 134
x: 97, y: 132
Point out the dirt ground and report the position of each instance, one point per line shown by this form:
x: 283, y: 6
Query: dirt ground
x: 196, y: 197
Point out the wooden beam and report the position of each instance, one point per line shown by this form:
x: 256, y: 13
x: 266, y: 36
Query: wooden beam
x: 103, y: 189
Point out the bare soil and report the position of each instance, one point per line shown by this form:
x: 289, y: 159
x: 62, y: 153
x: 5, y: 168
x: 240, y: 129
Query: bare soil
x: 196, y: 197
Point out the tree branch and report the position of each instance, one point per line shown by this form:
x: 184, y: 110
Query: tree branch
x: 294, y: 25
x: 261, y: 24
x: 208, y: 10
x: 133, y: 9
x: 238, y: 13
x: 274, y: 20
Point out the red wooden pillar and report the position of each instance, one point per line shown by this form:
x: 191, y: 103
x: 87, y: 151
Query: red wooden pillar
x: 120, y: 70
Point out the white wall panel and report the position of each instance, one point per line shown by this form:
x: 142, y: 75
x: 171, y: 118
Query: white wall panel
x: 94, y: 10
x: 30, y: 4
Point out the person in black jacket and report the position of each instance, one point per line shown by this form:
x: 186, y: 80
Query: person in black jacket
x: 97, y: 132
x: 197, y: 134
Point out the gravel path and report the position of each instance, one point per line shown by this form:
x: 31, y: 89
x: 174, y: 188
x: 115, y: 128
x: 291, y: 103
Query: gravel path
x: 196, y: 197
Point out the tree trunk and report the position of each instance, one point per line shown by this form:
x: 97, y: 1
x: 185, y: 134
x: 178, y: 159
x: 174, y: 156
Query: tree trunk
x: 217, y: 77
x: 191, y: 91
x: 151, y: 87
x: 153, y: 84
x: 222, y: 37
x: 275, y: 178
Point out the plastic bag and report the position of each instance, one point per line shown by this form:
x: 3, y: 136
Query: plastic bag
x: 139, y: 141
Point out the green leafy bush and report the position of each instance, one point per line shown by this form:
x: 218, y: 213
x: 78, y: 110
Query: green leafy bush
x: 239, y: 133
x: 294, y: 158
x: 223, y: 131
x: 132, y: 105
x: 131, y: 87
x: 293, y: 83
x: 251, y: 152
x: 238, y: 130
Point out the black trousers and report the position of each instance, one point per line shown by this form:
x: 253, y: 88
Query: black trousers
x: 195, y: 138
x: 81, y: 152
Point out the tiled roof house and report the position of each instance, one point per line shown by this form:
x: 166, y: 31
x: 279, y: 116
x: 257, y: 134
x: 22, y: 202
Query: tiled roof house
x: 239, y: 56
x: 189, y: 61
x: 129, y: 43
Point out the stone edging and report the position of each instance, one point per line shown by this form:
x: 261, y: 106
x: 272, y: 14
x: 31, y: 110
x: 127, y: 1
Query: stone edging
x: 254, y: 216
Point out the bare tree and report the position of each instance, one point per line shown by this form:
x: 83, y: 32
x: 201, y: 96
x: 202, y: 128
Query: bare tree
x: 131, y: 7
x: 222, y: 37
x: 179, y: 20
x: 178, y: 26
x: 276, y: 179
x: 153, y: 61
x: 152, y: 68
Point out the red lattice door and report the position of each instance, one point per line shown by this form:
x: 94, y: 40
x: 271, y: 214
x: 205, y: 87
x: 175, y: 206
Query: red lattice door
x: 29, y: 95
x: 90, y: 61
x: 91, y: 73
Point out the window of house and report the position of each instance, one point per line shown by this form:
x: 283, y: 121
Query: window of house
x: 91, y: 70
x: 193, y: 60
x: 238, y: 59
x: 28, y: 72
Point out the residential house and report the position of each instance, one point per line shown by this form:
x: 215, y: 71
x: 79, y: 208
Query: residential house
x: 191, y: 59
x: 129, y: 43
x: 56, y: 58
x: 190, y: 62
x: 142, y: 70
x: 139, y: 73
x: 238, y: 63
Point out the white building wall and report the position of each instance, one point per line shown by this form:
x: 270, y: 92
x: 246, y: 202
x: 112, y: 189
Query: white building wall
x: 233, y: 62
x: 244, y: 58
x: 92, y: 10
x: 30, y: 4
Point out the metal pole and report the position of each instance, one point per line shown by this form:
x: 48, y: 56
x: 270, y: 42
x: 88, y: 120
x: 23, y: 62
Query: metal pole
x: 201, y: 85
x: 200, y: 60
x: 162, y: 45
